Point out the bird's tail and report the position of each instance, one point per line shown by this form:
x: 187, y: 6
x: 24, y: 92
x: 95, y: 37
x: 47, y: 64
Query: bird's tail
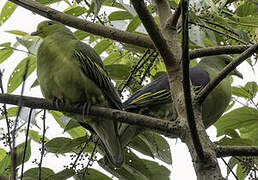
x: 127, y: 133
x: 107, y: 132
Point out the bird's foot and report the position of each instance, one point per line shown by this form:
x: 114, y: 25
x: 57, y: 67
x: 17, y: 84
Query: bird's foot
x: 85, y: 107
x: 58, y: 103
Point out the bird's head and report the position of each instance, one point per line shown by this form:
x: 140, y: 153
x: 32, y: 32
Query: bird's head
x: 46, y: 28
x: 220, y: 62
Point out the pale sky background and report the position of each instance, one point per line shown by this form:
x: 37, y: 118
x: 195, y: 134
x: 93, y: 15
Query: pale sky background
x: 26, y: 21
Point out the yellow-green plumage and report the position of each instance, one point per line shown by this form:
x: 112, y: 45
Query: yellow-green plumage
x: 71, y: 71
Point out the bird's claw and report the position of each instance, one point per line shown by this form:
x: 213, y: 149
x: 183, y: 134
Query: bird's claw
x: 58, y: 103
x: 85, y: 108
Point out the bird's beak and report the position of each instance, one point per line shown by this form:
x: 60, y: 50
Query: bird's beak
x: 35, y: 33
x: 238, y: 74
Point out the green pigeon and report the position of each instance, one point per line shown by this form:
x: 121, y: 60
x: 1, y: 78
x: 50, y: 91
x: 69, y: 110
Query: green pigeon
x: 70, y: 71
x: 155, y: 99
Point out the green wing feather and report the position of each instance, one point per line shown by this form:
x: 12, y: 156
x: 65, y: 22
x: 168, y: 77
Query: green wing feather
x: 93, y: 68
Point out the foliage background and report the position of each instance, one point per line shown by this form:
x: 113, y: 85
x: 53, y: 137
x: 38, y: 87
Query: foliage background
x: 29, y: 22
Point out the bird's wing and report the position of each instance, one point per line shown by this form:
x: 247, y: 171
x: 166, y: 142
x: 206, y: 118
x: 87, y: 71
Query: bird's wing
x: 93, y: 68
x: 158, y: 91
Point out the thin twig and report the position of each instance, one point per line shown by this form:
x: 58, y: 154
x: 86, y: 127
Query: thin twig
x: 26, y: 142
x: 133, y: 72
x: 91, y: 158
x: 20, y: 50
x: 220, y: 32
x: 101, y: 22
x: 172, y: 22
x: 6, y: 114
x: 82, y: 149
x: 213, y: 83
x: 229, y: 168
x: 219, y: 25
x: 42, y: 143
x: 149, y: 66
x: 13, y: 152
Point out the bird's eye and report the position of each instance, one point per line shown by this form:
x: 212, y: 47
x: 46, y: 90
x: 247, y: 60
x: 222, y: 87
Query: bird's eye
x: 50, y: 23
x: 226, y: 61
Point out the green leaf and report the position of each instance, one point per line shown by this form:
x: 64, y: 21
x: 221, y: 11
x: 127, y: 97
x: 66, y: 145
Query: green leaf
x: 35, y: 83
x: 97, y: 6
x: 112, y: 3
x: 17, y: 32
x: 251, y: 88
x: 225, y: 141
x: 231, y: 163
x: 112, y: 58
x: 48, y: 1
x: 75, y: 11
x: 81, y: 34
x: 245, y: 9
x: 253, y: 22
x: 135, y: 22
x: 102, y: 46
x: 7, y: 11
x: 232, y: 133
x: 31, y: 45
x: 71, y: 124
x: 145, y: 169
x: 139, y: 145
x: 16, y: 77
x: 118, y: 71
x: 5, y: 163
x: 158, y: 145
x: 64, y: 145
x: 241, y: 172
x: 119, y: 15
x: 11, y: 112
x: 5, y: 53
x: 120, y: 173
x: 2, y: 154
x: 92, y: 174
x: 243, y: 117
x: 33, y: 173
x: 75, y: 132
x: 136, y: 168
x: 230, y: 106
x: 240, y: 92
x: 34, y: 135
x: 62, y: 175
x: 7, y: 44
x: 134, y: 48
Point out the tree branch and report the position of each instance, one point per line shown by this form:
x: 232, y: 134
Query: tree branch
x: 96, y: 29
x: 186, y: 82
x: 115, y: 34
x: 224, y: 151
x: 154, y: 32
x: 213, y: 83
x: 217, y: 50
x: 167, y: 128
x: 172, y: 21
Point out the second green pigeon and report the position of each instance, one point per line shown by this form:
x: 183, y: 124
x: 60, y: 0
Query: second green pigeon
x: 155, y: 99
